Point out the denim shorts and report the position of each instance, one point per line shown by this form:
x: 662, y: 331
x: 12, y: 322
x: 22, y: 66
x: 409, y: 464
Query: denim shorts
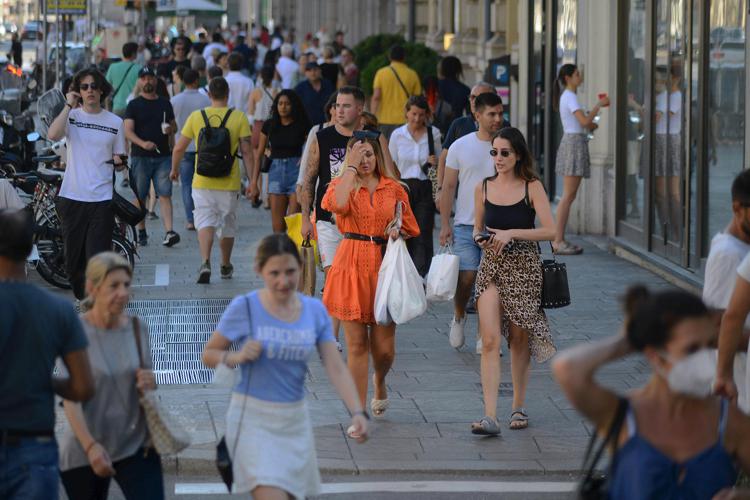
x: 464, y: 246
x: 146, y: 169
x: 282, y: 176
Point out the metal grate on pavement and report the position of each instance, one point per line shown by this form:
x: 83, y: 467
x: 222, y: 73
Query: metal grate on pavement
x: 178, y: 329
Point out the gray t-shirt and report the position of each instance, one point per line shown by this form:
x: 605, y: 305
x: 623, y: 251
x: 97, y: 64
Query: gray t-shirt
x: 184, y: 104
x: 113, y: 416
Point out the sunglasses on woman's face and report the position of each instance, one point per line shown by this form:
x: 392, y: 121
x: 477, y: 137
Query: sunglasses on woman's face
x: 85, y: 86
x: 503, y: 152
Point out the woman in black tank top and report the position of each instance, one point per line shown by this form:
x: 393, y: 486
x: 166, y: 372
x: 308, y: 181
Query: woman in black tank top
x: 509, y: 282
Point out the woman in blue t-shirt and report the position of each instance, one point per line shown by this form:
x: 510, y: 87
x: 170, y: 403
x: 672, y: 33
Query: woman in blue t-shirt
x: 279, y: 330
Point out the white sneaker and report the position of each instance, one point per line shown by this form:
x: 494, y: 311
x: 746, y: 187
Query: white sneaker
x: 479, y: 345
x: 456, y: 335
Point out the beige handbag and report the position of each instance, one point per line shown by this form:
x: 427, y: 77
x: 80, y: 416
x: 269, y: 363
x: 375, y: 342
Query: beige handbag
x: 307, y: 281
x: 167, y: 437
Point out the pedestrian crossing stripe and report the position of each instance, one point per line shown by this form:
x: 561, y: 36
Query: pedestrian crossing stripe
x: 408, y: 487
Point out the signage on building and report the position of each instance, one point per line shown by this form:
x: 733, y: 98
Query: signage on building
x: 76, y: 7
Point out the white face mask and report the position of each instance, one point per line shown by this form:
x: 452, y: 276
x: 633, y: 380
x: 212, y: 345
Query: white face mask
x: 694, y: 375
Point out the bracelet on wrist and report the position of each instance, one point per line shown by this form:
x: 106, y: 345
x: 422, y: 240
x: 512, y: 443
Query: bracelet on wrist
x: 88, y: 448
x: 353, y: 169
x: 69, y: 105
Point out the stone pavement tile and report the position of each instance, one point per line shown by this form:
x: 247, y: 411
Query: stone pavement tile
x: 553, y: 444
x: 386, y: 428
x: 329, y: 430
x: 337, y: 466
x: 333, y: 448
x: 385, y: 448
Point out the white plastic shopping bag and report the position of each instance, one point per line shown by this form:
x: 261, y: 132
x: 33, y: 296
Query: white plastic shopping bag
x: 442, y: 277
x: 406, y: 298
x: 385, y: 277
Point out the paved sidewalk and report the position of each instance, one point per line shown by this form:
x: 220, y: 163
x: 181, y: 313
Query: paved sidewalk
x: 435, y: 391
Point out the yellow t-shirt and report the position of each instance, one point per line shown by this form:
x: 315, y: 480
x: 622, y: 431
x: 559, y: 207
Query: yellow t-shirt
x: 238, y: 127
x: 392, y: 96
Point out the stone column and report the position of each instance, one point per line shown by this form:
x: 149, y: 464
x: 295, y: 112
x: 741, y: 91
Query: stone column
x: 594, y: 210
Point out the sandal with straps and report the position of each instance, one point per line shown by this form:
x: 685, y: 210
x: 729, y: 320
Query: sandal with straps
x: 378, y: 406
x: 487, y: 426
x: 519, y: 419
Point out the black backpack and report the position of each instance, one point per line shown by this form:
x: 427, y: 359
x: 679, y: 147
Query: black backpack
x: 215, y: 157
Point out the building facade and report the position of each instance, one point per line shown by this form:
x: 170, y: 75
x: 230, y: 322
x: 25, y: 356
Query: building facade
x: 666, y: 150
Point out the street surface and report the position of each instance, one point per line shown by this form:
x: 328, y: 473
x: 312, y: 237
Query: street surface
x: 435, y: 391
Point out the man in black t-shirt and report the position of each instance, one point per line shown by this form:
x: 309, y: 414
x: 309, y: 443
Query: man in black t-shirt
x: 179, y: 58
x: 149, y: 122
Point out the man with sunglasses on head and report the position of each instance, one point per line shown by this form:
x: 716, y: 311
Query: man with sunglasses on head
x: 467, y: 164
x: 95, y: 142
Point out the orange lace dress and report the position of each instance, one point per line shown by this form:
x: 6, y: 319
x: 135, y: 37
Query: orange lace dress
x: 350, y: 288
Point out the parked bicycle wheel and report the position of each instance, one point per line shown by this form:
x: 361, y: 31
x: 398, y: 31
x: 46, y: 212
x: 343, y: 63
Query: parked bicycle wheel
x: 123, y: 247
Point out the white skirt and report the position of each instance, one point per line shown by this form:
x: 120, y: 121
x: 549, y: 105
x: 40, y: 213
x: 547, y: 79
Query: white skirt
x: 276, y: 446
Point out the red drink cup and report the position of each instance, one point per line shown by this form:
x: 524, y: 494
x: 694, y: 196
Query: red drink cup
x: 601, y: 96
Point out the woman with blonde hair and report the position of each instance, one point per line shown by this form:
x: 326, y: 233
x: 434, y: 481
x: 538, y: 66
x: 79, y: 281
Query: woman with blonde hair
x: 364, y: 199
x: 107, y: 436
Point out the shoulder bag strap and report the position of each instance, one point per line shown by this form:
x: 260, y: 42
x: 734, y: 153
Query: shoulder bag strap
x: 610, y: 439
x: 430, y: 140
x: 123, y: 80
x: 268, y: 93
x: 408, y: 95
x: 484, y: 190
x: 137, y: 333
x: 247, y: 382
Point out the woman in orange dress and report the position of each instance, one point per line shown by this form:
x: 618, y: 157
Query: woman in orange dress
x: 363, y: 199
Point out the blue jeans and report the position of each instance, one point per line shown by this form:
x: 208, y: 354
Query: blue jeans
x: 146, y: 169
x: 282, y: 177
x: 466, y: 248
x: 28, y: 470
x: 187, y: 170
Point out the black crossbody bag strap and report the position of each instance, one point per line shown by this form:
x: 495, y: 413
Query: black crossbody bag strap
x: 123, y: 81
x: 408, y: 95
x: 247, y: 383
x: 430, y: 141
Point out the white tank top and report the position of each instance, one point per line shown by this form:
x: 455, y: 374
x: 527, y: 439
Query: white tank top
x: 263, y: 107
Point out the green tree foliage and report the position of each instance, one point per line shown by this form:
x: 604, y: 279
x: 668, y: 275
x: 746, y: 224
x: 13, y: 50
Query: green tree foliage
x: 371, y: 54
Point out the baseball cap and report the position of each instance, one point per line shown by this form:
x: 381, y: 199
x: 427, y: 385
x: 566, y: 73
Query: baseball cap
x: 311, y: 65
x: 146, y: 72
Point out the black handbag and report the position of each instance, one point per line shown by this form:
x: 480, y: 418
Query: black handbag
x: 595, y: 484
x: 265, y: 165
x: 555, y: 291
x: 123, y: 209
x: 223, y: 458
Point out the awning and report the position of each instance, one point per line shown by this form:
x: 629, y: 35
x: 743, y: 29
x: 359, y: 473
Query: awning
x: 188, y: 7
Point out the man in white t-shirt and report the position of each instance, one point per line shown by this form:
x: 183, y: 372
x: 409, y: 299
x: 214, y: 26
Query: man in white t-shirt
x: 95, y: 140
x: 240, y: 86
x: 726, y: 286
x: 287, y: 67
x: 467, y: 164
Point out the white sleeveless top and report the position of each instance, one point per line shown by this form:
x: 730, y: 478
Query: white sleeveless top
x: 263, y: 107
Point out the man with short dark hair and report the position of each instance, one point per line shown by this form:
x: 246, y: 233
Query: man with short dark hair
x: 727, y: 275
x: 95, y: 143
x: 184, y: 103
x: 468, y: 163
x: 149, y: 123
x: 216, y: 198
x: 240, y: 86
x: 123, y: 76
x: 179, y: 57
x: 37, y: 327
x: 462, y: 126
x: 314, y: 92
x: 392, y: 87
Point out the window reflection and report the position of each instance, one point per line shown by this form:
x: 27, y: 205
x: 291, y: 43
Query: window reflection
x: 726, y: 124
x: 635, y: 161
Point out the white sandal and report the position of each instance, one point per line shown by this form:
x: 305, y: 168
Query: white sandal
x: 350, y: 432
x: 378, y: 406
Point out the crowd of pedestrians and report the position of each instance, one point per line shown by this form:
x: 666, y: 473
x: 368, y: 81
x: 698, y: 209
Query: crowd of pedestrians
x: 264, y: 117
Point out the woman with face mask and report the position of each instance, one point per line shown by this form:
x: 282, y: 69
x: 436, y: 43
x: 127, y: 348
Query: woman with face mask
x: 677, y: 440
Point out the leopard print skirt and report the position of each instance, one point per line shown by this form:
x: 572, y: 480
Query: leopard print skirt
x: 517, y: 275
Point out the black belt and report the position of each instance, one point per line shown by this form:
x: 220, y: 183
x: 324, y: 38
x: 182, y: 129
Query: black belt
x: 378, y: 240
x: 14, y: 437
